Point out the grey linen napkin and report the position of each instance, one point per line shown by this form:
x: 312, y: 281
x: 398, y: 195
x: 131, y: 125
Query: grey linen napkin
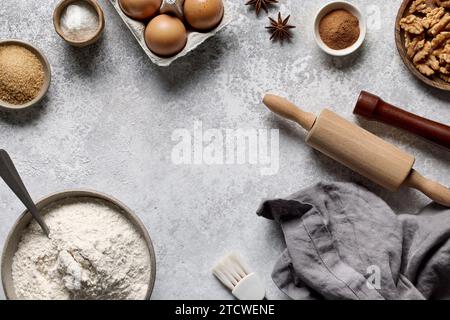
x: 344, y: 242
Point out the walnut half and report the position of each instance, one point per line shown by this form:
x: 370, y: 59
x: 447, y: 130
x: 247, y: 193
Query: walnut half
x: 423, y: 54
x: 419, y: 6
x: 441, y: 25
x: 425, y: 69
x: 412, y: 24
x: 433, y: 17
x: 443, y: 3
x: 440, y: 39
x: 414, y: 45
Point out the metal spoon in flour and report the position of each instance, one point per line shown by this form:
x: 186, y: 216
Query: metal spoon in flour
x: 9, y: 174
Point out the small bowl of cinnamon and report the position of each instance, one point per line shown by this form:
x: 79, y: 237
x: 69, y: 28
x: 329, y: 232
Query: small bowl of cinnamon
x: 340, y: 28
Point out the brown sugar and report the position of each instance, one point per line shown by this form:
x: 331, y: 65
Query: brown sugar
x: 21, y: 74
x: 339, y: 29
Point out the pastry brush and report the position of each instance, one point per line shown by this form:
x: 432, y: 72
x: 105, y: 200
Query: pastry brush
x: 236, y: 276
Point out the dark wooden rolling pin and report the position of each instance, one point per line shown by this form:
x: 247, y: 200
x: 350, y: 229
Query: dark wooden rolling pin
x: 374, y: 108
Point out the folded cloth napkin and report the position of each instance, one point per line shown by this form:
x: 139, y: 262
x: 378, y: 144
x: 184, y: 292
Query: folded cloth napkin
x: 344, y: 242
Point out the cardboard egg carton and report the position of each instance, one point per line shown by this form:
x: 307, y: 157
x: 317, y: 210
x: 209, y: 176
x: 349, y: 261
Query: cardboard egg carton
x: 195, y: 38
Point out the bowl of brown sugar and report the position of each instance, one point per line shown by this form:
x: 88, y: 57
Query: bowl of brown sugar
x: 340, y: 28
x: 24, y: 75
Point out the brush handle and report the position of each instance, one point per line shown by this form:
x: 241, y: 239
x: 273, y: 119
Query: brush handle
x: 374, y: 108
x: 288, y: 110
x: 432, y: 189
x: 250, y: 288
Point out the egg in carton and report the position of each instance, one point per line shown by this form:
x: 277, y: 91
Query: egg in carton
x: 169, y: 29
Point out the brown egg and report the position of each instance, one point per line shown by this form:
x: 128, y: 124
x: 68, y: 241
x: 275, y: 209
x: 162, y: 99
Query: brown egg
x: 203, y: 14
x: 165, y: 35
x: 140, y: 9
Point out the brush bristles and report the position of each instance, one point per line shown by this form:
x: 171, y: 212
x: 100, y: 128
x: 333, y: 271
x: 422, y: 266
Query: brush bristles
x: 231, y: 270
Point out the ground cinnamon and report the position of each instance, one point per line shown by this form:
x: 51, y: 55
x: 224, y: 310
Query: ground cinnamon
x: 339, y: 29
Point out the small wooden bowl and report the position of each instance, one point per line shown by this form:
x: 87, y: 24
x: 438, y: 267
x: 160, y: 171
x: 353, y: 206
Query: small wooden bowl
x: 434, y: 81
x: 47, y: 76
x: 15, y: 235
x: 83, y: 43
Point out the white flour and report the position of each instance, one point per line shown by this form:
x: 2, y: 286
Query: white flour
x: 94, y: 253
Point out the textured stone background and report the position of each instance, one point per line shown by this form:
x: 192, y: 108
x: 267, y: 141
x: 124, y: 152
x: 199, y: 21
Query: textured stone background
x: 107, y: 121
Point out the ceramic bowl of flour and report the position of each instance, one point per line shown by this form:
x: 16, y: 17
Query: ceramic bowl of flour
x: 98, y: 249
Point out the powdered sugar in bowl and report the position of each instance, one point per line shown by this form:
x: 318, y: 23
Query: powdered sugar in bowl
x: 98, y: 250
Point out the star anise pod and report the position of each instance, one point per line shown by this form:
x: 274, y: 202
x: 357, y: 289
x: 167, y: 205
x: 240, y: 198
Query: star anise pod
x: 258, y: 4
x: 280, y: 29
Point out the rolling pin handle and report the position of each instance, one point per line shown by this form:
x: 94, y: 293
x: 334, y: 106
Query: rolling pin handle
x: 434, y: 190
x: 367, y: 105
x: 288, y: 110
x: 375, y: 109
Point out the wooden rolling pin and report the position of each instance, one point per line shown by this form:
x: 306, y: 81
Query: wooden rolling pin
x: 374, y: 108
x: 359, y: 150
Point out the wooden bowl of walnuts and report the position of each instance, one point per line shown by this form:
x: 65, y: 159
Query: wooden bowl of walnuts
x: 423, y: 40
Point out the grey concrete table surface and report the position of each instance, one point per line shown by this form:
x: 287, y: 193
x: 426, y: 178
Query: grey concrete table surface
x: 110, y: 120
